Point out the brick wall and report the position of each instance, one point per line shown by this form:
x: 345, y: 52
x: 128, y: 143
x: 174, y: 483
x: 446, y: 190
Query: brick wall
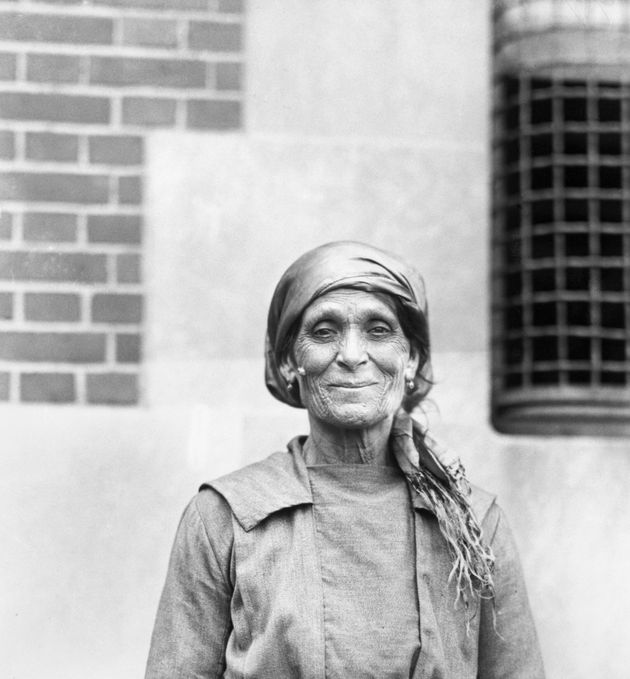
x: 82, y: 82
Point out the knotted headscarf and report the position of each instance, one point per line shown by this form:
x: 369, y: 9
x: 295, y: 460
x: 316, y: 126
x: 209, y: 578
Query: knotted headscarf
x: 349, y: 264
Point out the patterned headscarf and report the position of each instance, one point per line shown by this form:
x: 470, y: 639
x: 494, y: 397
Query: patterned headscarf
x: 343, y: 264
x: 444, y: 488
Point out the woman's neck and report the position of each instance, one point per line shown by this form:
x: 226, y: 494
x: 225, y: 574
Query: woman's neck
x: 327, y: 444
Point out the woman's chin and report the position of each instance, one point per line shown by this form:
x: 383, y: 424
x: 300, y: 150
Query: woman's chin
x: 354, y: 416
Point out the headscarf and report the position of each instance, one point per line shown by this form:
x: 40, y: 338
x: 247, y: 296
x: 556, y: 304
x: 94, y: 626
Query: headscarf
x: 444, y: 488
x: 342, y: 264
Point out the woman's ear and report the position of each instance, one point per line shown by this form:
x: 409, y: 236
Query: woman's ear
x: 412, y: 364
x: 287, y: 370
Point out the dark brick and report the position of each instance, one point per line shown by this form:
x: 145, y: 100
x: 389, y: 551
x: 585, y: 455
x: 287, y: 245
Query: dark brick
x: 228, y: 76
x: 112, y: 388
x: 54, y: 187
x: 214, y: 37
x: 150, y: 32
x: 116, y: 150
x: 47, y: 388
x: 55, y: 28
x: 47, y: 227
x: 128, y: 348
x: 157, y: 72
x: 6, y: 225
x: 5, y: 383
x: 7, y: 66
x: 130, y: 190
x: 50, y: 146
x: 52, y: 306
x: 233, y: 6
x: 76, y: 267
x: 181, y: 5
x: 113, y: 308
x: 54, y: 107
x: 66, y: 347
x: 114, y: 229
x: 128, y: 268
x: 6, y: 305
x: 7, y: 144
x: 215, y: 115
x: 148, y: 111
x: 55, y: 68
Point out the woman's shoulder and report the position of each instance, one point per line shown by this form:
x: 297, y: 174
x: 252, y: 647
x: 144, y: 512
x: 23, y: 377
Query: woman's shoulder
x: 256, y: 476
x: 482, y: 502
x: 488, y: 511
x: 261, y: 488
x: 264, y: 467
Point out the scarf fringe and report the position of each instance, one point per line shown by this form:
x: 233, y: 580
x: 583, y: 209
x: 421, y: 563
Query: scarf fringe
x: 473, y: 560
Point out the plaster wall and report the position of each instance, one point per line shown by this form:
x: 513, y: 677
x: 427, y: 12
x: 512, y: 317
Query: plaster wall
x: 562, y: 495
x: 365, y: 120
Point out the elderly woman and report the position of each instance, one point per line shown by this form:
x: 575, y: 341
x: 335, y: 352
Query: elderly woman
x: 357, y: 552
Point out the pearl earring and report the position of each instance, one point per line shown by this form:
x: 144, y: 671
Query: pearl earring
x: 411, y: 385
x: 301, y: 371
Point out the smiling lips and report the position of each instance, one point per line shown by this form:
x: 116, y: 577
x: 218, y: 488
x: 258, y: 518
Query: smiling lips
x: 351, y: 385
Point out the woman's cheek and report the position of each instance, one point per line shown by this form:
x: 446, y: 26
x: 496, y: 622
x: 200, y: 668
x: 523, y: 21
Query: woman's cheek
x: 314, y: 357
x: 312, y: 360
x: 316, y: 397
x: 392, y: 357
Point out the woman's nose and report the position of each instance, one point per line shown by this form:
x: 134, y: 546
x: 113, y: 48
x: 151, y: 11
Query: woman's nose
x: 352, y: 349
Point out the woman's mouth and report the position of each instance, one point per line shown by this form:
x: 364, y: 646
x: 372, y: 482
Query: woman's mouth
x: 351, y: 385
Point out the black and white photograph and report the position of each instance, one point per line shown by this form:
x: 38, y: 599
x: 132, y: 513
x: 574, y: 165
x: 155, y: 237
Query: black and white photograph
x: 315, y: 339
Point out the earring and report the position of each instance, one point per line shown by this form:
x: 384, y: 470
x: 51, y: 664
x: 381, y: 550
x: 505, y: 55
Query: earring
x: 411, y: 385
x: 289, y: 385
x: 301, y: 371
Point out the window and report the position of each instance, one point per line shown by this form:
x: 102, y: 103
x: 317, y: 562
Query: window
x: 561, y: 256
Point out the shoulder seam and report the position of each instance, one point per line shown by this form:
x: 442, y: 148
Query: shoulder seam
x: 496, y: 525
x: 207, y: 536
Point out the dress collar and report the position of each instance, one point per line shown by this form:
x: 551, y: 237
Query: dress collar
x: 281, y: 481
x: 260, y: 489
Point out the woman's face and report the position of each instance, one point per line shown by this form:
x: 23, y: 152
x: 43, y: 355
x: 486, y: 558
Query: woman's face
x: 351, y: 359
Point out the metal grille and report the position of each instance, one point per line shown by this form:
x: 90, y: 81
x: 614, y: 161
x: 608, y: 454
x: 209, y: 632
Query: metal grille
x: 561, y: 280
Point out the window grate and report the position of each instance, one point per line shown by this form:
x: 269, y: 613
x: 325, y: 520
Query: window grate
x: 561, y: 246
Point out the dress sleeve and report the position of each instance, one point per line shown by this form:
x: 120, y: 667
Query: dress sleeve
x: 508, y: 645
x: 193, y: 619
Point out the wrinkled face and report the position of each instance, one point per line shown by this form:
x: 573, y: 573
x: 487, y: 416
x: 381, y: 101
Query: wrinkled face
x: 351, y: 359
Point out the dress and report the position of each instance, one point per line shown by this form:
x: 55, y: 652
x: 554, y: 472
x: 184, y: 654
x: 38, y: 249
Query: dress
x: 364, y: 537
x: 248, y: 594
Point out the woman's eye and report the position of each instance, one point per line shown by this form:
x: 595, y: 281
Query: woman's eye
x: 323, y: 332
x: 379, y: 330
